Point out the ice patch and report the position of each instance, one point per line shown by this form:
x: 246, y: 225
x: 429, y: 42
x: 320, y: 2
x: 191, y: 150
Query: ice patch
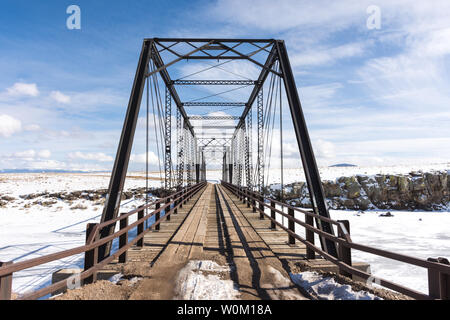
x: 201, y: 280
x: 326, y: 288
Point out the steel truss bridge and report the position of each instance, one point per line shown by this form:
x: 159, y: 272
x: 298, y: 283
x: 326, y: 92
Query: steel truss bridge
x: 239, y: 131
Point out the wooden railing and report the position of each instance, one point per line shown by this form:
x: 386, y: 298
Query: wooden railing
x: 438, y: 269
x: 168, y: 205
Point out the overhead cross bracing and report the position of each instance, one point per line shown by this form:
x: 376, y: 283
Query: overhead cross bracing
x: 185, y: 78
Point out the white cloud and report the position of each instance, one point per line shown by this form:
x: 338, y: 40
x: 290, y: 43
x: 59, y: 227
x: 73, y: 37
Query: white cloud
x: 24, y: 155
x: 59, y: 97
x: 9, y: 125
x: 23, y: 89
x: 32, y: 127
x: 318, y: 95
x: 99, y: 156
x: 279, y: 16
x: 141, y: 158
x: 327, y: 56
x: 44, y: 154
x: 324, y: 149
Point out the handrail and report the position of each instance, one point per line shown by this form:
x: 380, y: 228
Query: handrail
x: 345, y: 242
x: 92, y: 244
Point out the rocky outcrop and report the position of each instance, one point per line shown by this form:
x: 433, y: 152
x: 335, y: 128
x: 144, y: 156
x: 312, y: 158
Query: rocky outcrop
x: 415, y: 191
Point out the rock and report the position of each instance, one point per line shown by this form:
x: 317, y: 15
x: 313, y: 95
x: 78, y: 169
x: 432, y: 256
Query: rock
x: 78, y: 207
x: 7, y: 198
x: 403, y: 184
x: 387, y: 214
x: 363, y: 203
x: 348, y: 203
x: 332, y: 189
x: 48, y: 203
x: 353, y: 191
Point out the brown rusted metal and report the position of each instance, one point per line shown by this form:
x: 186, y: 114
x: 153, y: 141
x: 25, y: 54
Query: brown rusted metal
x: 344, y: 252
x: 273, y: 226
x: 168, y: 202
x: 291, y: 225
x: 123, y: 240
x: 157, y: 216
x: 438, y: 282
x: 140, y: 228
x: 261, y: 207
x: 91, y: 256
x: 310, y: 254
x: 6, y: 283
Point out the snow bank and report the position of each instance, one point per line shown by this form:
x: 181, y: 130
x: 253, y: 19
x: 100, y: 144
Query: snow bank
x: 203, y: 280
x: 326, y: 288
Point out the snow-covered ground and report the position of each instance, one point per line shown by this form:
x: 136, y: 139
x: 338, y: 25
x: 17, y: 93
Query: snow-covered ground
x: 16, y: 184
x: 417, y: 234
x: 35, y: 231
x: 326, y: 288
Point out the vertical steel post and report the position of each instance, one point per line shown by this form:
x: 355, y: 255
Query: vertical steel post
x: 157, y: 216
x: 345, y: 253
x: 309, y: 162
x: 260, y: 159
x: 91, y: 256
x: 291, y: 225
x: 167, y: 211
x: 168, y: 141
x: 438, y: 282
x: 123, y: 240
x: 310, y: 254
x: 180, y: 148
x: 140, y: 228
x: 273, y: 225
x: 6, y: 283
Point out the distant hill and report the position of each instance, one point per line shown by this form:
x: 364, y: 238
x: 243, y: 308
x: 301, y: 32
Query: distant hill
x: 38, y: 171
x: 343, y: 165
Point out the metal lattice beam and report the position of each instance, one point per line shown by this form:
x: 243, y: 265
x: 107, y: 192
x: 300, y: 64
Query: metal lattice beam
x: 214, y: 82
x: 168, y: 141
x: 260, y: 159
x: 214, y: 104
x: 180, y: 148
x: 219, y: 118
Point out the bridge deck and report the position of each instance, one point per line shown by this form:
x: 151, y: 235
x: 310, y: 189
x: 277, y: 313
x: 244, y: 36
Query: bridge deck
x: 213, y: 226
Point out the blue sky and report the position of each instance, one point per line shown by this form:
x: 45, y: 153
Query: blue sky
x: 370, y: 96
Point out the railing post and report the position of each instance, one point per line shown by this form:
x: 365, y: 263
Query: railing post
x: 291, y: 225
x: 254, y: 201
x: 273, y: 225
x: 438, y: 282
x: 140, y: 228
x: 344, y: 252
x: 175, y: 203
x: 123, y: 240
x: 248, y: 192
x: 157, y: 215
x: 6, y: 283
x: 261, y: 207
x: 167, y: 213
x: 91, y: 256
x: 310, y: 254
